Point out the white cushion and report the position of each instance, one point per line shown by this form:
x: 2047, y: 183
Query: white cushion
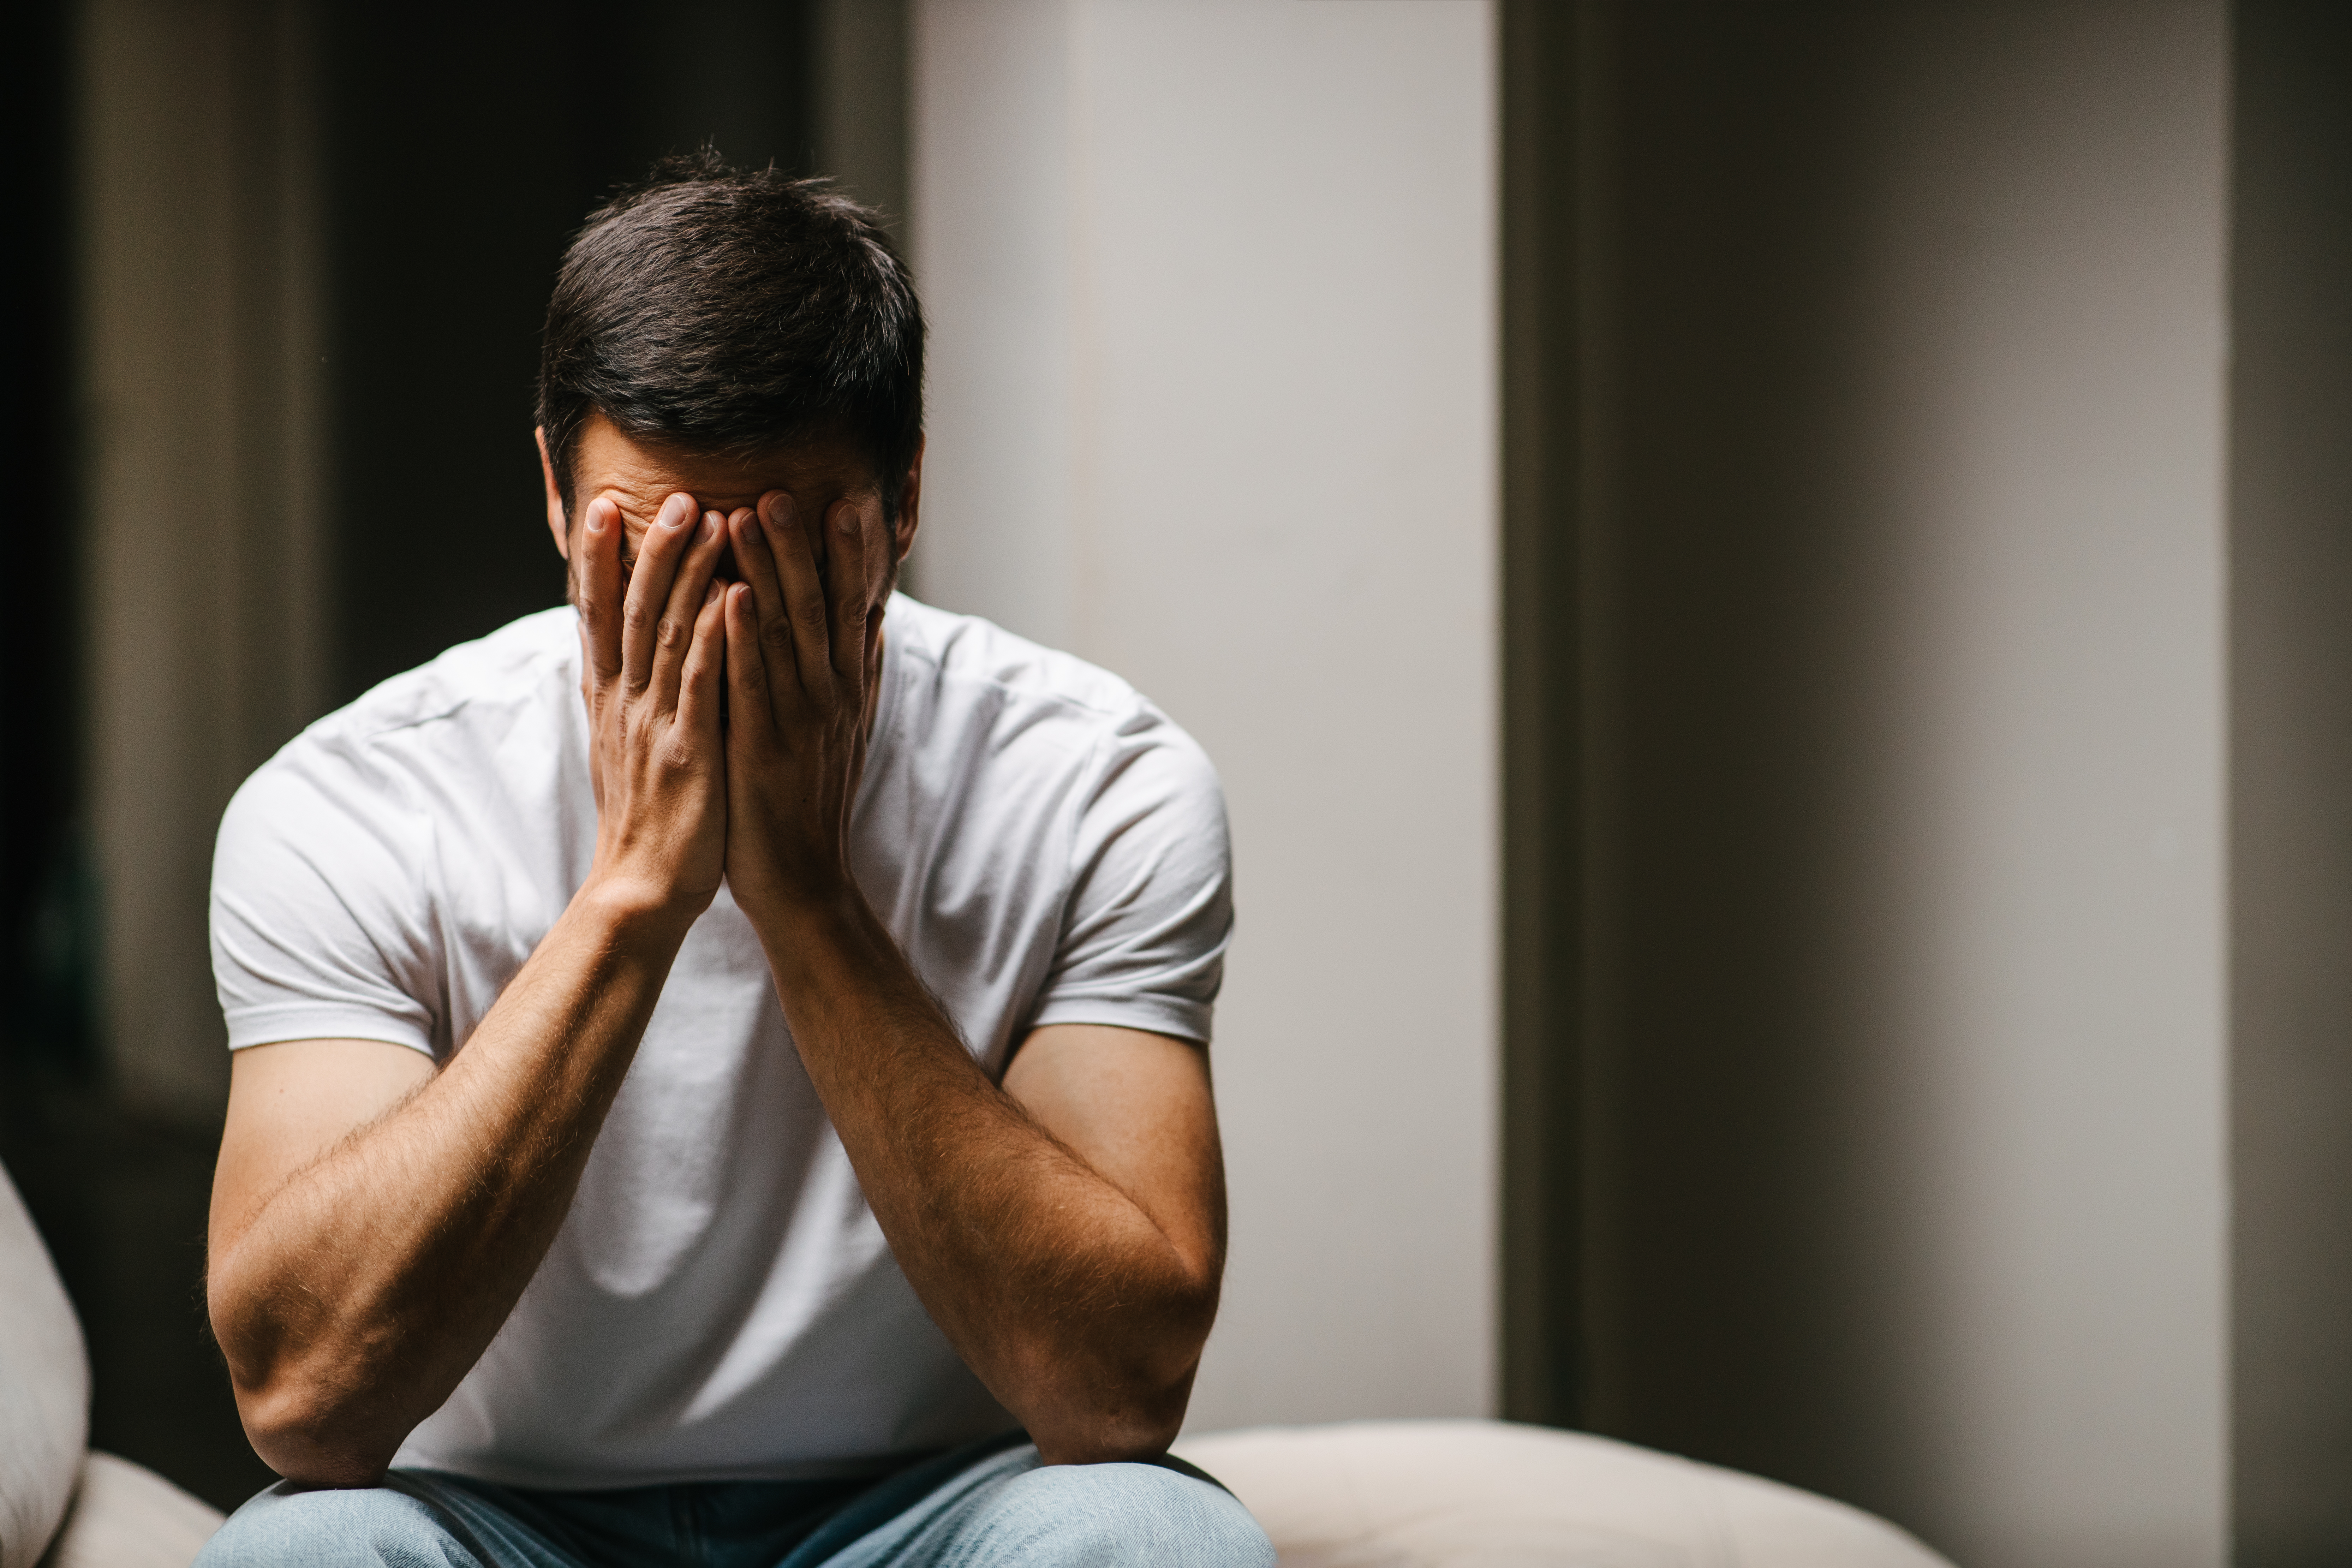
x: 126, y: 1516
x: 1487, y: 1494
x: 44, y: 1389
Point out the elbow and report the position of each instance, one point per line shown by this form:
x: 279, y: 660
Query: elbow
x: 1129, y: 1405
x: 304, y: 1421
x: 1113, y: 1426
x: 309, y: 1437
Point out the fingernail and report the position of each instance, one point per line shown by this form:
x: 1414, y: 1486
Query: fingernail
x: 677, y: 513
x: 711, y: 524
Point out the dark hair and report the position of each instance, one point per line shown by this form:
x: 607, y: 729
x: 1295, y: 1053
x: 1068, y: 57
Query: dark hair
x: 715, y: 309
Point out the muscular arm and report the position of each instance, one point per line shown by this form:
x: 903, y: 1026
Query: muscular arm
x: 1066, y: 1231
x: 373, y: 1222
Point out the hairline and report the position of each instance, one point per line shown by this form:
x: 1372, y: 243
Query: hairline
x: 566, y: 460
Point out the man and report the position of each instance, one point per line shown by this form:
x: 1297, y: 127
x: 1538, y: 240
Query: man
x: 720, y: 1068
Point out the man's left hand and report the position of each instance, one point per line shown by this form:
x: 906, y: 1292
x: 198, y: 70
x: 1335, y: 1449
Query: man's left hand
x: 803, y: 654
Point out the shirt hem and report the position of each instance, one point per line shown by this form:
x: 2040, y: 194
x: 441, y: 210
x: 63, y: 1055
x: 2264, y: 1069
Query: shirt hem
x: 876, y: 1468
x: 1186, y: 1023
x: 273, y: 1025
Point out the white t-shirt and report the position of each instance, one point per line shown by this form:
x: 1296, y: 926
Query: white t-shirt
x: 1047, y: 849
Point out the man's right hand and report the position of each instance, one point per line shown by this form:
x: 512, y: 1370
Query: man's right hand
x: 653, y: 655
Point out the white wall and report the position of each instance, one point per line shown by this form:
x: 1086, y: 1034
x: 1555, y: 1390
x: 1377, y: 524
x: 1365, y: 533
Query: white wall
x: 1914, y: 1185
x: 1212, y: 404
x: 2040, y: 900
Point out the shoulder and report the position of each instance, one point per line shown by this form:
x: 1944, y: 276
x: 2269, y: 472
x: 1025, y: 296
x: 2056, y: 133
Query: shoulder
x: 972, y: 678
x: 512, y: 668
x: 982, y: 661
x: 440, y: 726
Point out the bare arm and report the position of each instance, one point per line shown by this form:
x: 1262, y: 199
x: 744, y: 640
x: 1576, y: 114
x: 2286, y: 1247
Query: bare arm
x: 358, y: 1271
x: 373, y: 1222
x: 1067, y: 1231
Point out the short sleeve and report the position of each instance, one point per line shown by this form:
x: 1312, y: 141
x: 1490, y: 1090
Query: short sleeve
x: 321, y: 928
x: 1150, y: 909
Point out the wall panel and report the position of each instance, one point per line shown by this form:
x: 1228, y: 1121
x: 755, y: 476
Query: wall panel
x: 1213, y: 403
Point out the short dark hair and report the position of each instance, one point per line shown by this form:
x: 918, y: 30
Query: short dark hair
x: 717, y: 308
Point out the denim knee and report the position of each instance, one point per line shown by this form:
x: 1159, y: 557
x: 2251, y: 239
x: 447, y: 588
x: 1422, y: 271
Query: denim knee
x: 364, y: 1527
x: 1098, y: 1515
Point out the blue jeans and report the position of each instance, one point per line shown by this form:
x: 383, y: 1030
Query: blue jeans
x: 987, y: 1504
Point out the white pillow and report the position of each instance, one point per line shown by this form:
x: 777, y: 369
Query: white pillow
x: 1487, y: 1494
x: 44, y: 1389
x: 127, y: 1516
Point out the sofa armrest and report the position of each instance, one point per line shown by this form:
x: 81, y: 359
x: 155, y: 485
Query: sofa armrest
x: 1459, y: 1494
x: 44, y: 1389
x: 127, y: 1516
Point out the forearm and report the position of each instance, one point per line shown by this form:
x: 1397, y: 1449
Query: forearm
x: 1059, y: 1289
x: 353, y: 1298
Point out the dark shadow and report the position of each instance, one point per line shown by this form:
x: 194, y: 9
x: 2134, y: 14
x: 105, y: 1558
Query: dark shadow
x: 462, y: 147
x: 121, y: 1202
x: 2291, y: 784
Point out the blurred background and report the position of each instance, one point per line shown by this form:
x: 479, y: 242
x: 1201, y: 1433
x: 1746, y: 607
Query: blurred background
x: 1770, y: 583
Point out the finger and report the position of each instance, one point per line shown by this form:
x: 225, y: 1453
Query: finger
x: 704, y: 665
x: 598, y: 565
x: 588, y: 696
x: 772, y: 639
x: 755, y: 562
x: 846, y: 586
x: 804, y: 621
x: 749, y: 716
x: 689, y: 597
x: 873, y: 677
x: 881, y: 554
x: 664, y: 545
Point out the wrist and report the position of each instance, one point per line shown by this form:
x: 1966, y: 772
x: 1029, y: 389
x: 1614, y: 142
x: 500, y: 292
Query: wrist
x: 807, y: 927
x: 635, y: 909
x: 811, y: 913
x: 793, y: 896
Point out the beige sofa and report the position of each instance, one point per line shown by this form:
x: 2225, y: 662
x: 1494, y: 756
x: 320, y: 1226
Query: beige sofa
x: 1489, y: 1494
x: 1378, y: 1494
x: 62, y: 1506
